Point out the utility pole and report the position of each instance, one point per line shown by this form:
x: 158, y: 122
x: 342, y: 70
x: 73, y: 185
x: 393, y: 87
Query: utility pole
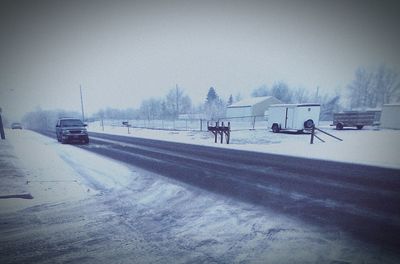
x: 3, y: 136
x: 177, y: 100
x: 83, y: 113
x: 317, y: 94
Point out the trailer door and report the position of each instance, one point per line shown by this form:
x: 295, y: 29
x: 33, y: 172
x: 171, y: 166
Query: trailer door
x: 289, y: 115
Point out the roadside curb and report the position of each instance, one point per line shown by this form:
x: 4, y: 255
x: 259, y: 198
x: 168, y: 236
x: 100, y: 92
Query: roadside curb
x: 13, y: 179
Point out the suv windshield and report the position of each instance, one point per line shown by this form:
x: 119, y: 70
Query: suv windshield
x: 71, y: 123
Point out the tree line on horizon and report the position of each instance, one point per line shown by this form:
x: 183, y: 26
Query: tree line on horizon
x: 371, y: 88
x: 176, y: 103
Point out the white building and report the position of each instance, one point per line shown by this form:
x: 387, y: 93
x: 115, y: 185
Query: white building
x: 255, y: 106
x: 390, y: 117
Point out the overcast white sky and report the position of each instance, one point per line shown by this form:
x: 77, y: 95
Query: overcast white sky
x: 122, y: 52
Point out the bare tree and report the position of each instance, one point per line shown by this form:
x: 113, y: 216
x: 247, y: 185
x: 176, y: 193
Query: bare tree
x: 176, y: 102
x: 46, y: 119
x: 238, y: 97
x: 361, y: 89
x: 113, y: 113
x: 151, y: 108
x: 282, y: 92
x: 387, y: 85
x: 301, y: 95
x: 279, y: 90
x: 329, y: 105
x: 260, y: 91
x: 374, y: 88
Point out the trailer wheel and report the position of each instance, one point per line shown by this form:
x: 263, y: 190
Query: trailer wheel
x: 309, y: 123
x: 275, y: 128
x: 339, y: 126
x: 359, y: 127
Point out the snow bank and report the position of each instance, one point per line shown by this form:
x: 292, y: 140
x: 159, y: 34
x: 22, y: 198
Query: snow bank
x: 56, y: 173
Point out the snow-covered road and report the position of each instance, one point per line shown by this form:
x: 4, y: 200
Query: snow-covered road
x: 88, y: 208
x: 370, y: 146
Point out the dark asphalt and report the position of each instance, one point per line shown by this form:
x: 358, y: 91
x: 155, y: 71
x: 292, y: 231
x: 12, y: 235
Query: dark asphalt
x: 361, y: 200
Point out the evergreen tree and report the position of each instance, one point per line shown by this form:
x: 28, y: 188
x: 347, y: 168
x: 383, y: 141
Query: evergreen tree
x: 211, y: 96
x: 214, y: 107
x: 230, y: 100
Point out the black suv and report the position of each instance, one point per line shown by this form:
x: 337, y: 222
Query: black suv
x: 71, y: 129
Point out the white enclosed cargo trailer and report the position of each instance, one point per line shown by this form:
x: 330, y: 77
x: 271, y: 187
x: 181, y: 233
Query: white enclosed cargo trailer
x: 297, y: 117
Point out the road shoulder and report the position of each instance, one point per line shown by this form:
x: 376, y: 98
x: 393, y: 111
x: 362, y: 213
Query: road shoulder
x: 29, y: 178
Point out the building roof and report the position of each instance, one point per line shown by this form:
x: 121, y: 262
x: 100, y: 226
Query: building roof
x: 392, y: 105
x: 249, y: 102
x: 295, y: 105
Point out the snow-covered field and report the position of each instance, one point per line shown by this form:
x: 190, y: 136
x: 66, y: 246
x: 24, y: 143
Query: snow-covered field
x: 93, y: 209
x: 371, y: 146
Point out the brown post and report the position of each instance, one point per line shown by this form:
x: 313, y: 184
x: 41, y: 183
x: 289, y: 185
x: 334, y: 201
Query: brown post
x: 312, y: 135
x: 229, y: 133
x: 216, y: 132
x: 3, y: 136
x: 222, y: 133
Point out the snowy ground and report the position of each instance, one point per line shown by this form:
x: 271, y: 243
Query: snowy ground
x: 380, y: 147
x: 87, y: 208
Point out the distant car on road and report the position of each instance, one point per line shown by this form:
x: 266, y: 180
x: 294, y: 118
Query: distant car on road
x: 71, y: 129
x: 16, y: 126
